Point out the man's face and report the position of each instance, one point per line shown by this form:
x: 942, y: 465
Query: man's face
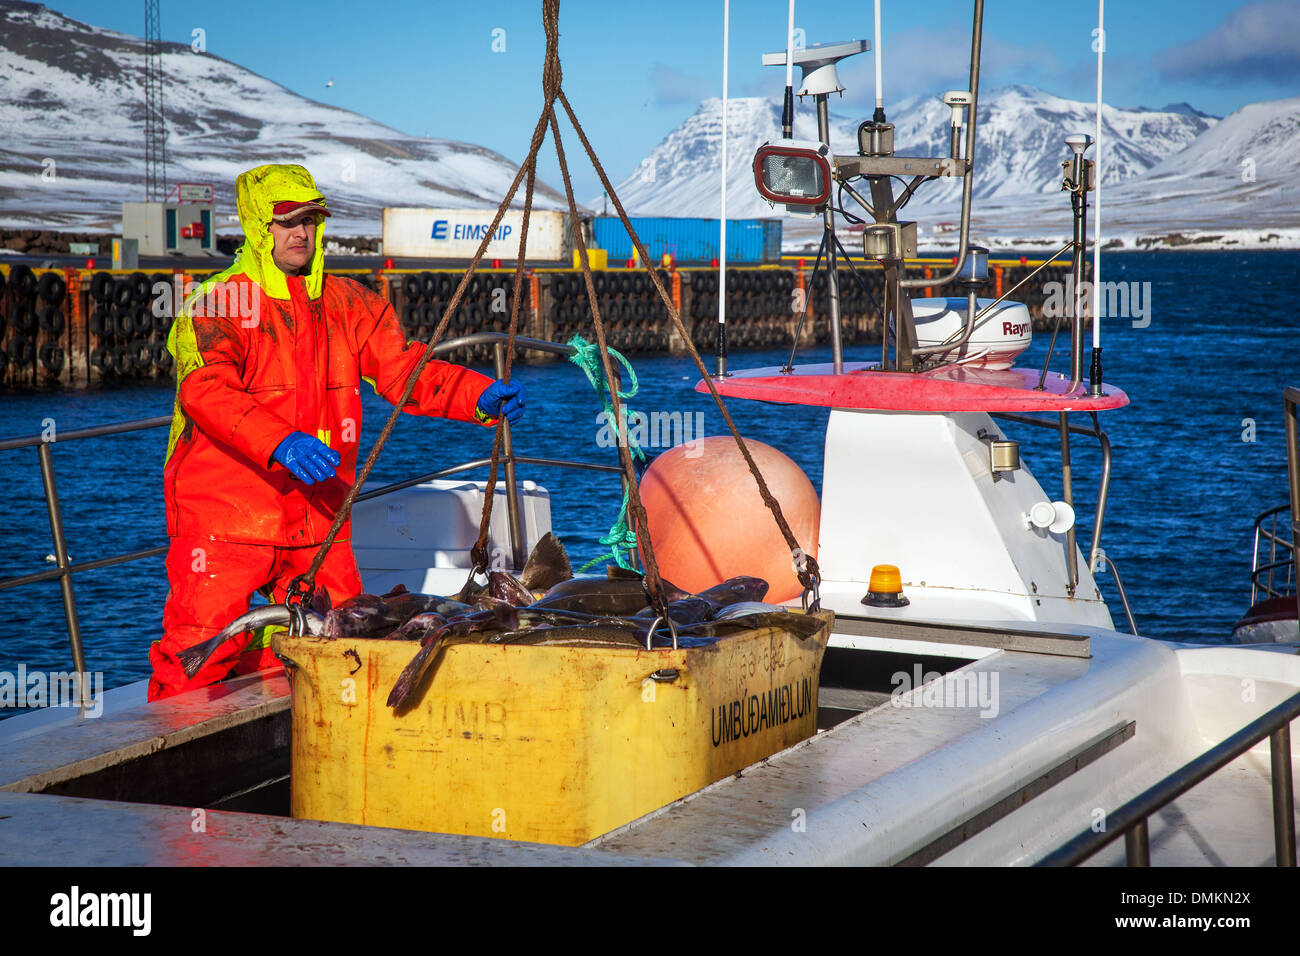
x: 295, y: 243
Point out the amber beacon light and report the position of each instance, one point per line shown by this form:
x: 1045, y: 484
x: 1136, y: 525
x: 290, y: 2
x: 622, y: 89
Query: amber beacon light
x: 793, y: 172
x: 885, y: 588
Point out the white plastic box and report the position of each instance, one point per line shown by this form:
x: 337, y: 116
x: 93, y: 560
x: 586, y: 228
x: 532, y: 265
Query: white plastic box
x: 421, y: 536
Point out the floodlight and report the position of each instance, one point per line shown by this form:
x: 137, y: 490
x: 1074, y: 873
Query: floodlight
x: 794, y: 172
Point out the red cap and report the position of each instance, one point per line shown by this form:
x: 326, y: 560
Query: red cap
x: 284, y: 211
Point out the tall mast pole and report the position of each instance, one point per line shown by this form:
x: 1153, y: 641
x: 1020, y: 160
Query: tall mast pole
x: 155, y: 126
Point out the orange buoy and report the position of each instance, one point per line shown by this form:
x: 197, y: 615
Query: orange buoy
x: 708, y: 521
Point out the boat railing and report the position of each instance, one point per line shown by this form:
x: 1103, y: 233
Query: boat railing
x: 1272, y: 568
x: 64, y: 568
x: 1290, y: 401
x: 1130, y: 820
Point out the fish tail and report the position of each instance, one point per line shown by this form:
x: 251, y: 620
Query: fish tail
x: 193, y: 658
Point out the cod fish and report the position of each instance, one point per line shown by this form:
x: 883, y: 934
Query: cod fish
x: 740, y: 589
x: 269, y: 615
x: 547, y: 566
x: 432, y: 636
x: 620, y: 597
x: 366, y: 615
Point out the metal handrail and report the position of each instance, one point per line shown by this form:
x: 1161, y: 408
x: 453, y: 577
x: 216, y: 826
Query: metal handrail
x: 1261, y: 575
x: 1130, y: 820
x: 1105, y: 560
x: 139, y: 424
x: 1103, y: 490
x: 1290, y: 400
x: 64, y: 568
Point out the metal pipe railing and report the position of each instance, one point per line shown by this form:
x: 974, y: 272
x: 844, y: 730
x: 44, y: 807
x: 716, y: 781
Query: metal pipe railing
x: 1103, y: 491
x: 139, y: 424
x: 469, y: 466
x: 1130, y: 820
x: 1262, y: 574
x: 1290, y: 399
x: 1119, y: 586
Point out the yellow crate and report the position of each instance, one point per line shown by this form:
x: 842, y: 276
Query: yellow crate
x: 542, y: 744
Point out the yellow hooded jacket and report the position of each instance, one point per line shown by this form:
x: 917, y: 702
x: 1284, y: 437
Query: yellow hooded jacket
x: 260, y: 355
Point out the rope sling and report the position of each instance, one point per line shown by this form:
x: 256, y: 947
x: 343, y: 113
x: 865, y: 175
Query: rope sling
x: 621, y: 539
x: 301, y: 587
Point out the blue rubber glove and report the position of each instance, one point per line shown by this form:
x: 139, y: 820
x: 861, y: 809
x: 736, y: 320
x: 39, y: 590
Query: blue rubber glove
x: 503, y: 398
x: 310, y: 459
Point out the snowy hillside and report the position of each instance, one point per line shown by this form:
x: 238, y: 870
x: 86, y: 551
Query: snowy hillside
x: 1020, y: 145
x: 72, y: 112
x: 1234, y: 186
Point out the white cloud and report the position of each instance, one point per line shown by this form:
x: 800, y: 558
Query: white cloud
x: 671, y: 86
x: 1258, y: 41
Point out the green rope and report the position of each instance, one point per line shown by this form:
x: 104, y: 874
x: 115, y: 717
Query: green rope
x: 621, y: 539
x: 587, y: 357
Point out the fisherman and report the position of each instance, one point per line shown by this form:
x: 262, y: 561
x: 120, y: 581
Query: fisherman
x: 263, y: 448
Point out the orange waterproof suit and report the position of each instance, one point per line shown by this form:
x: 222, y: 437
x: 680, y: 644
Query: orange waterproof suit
x: 260, y: 355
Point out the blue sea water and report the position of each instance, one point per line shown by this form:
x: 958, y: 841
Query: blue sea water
x: 1205, y: 377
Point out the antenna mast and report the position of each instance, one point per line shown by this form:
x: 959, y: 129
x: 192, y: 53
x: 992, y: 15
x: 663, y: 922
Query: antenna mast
x: 1094, y: 372
x: 155, y: 126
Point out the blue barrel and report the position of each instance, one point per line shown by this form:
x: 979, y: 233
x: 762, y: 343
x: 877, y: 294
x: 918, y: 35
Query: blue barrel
x: 690, y: 240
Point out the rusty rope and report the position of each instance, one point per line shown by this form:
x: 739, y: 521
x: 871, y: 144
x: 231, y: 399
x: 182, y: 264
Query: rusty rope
x: 478, y: 553
x: 301, y: 587
x: 654, y: 584
x: 805, y: 564
x: 552, y: 75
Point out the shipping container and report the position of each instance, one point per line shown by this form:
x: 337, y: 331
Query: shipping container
x: 456, y: 233
x: 691, y: 240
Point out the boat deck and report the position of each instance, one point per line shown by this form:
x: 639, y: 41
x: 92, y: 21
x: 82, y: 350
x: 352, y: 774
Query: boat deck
x: 852, y: 794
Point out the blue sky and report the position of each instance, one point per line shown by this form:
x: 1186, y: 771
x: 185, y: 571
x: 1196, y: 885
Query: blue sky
x: 634, y: 71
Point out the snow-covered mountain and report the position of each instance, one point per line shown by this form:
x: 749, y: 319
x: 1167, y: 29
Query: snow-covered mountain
x: 1240, y: 173
x: 1020, y: 145
x: 1237, y: 185
x: 72, y: 149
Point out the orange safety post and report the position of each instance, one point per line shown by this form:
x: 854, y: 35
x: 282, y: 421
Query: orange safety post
x: 72, y: 279
x: 677, y: 289
x: 997, y: 282
x: 929, y: 292
x: 75, y: 327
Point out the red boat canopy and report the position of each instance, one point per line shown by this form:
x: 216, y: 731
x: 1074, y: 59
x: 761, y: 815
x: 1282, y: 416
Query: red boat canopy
x: 951, y: 388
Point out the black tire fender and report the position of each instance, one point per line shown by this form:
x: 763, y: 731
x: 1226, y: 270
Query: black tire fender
x: 52, y: 288
x: 22, y: 350
x: 22, y: 317
x: 52, y: 320
x: 23, y: 281
x: 101, y: 287
x: 53, y: 358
